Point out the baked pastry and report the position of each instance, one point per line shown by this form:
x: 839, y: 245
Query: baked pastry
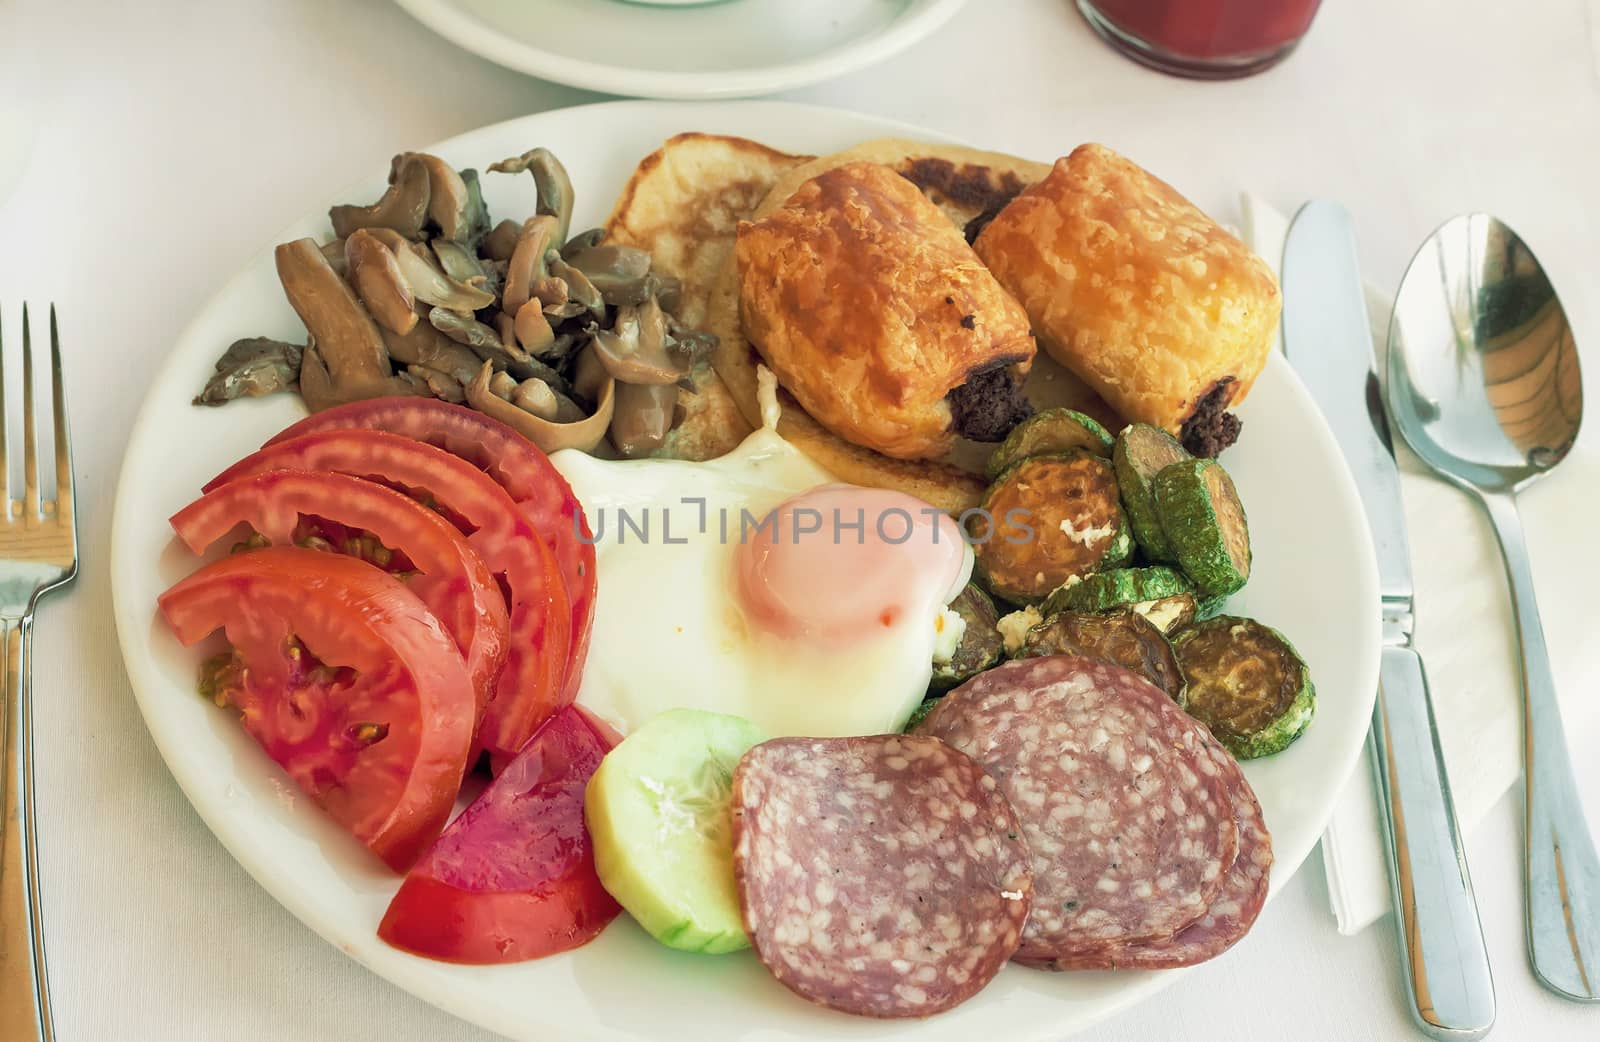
x: 1148, y: 300
x: 876, y: 315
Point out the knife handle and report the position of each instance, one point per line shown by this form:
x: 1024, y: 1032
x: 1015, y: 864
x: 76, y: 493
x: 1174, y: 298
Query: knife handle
x: 1446, y: 964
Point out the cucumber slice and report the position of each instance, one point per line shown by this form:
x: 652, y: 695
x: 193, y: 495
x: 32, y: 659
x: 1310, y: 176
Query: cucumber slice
x: 1142, y: 452
x: 980, y: 645
x: 1246, y: 683
x: 1048, y: 432
x: 1046, y: 520
x: 658, y: 814
x: 1122, y: 586
x: 1124, y: 638
x: 1205, y: 523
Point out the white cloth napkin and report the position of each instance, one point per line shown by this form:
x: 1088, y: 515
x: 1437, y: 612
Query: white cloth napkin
x: 1464, y: 627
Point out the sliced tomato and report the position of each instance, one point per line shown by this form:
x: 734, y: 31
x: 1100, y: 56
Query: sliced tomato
x: 395, y: 532
x: 531, y: 685
x: 346, y: 680
x: 513, y: 877
x: 513, y: 461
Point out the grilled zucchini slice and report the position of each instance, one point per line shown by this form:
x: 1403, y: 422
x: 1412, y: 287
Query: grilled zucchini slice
x: 1142, y: 452
x: 1050, y: 431
x: 1114, y: 589
x: 1124, y: 638
x: 1205, y: 524
x: 980, y: 644
x: 1048, y: 519
x: 1246, y: 683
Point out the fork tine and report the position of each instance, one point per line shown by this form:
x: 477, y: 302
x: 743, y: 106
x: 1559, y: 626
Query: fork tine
x: 30, y: 465
x: 58, y: 398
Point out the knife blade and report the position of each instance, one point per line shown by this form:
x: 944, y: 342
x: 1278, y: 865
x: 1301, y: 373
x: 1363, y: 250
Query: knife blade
x: 1328, y: 340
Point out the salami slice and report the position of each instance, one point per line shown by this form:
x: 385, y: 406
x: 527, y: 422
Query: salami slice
x: 1128, y: 819
x: 1234, y: 909
x: 882, y: 876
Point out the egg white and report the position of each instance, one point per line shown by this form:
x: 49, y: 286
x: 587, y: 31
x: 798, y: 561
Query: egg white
x: 669, y: 630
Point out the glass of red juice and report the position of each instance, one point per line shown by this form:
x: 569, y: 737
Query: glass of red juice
x: 1205, y: 39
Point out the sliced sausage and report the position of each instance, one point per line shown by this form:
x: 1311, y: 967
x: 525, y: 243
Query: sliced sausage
x: 1127, y: 817
x: 1233, y: 911
x: 882, y: 876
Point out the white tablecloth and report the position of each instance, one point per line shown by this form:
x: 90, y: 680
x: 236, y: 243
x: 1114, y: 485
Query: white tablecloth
x: 174, y: 139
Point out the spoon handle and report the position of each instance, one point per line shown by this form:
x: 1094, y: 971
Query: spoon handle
x: 1562, y: 872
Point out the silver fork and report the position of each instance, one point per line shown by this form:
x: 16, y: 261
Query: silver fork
x: 38, y: 553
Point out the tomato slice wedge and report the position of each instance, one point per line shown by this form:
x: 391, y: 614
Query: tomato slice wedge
x: 348, y: 682
x: 531, y: 685
x: 347, y: 514
x: 513, y: 461
x: 513, y: 877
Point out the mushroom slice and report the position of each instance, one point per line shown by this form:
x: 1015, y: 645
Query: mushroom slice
x: 448, y: 200
x: 618, y: 272
x: 477, y: 225
x: 550, y: 180
x: 251, y: 368
x: 634, y: 354
x: 424, y: 345
x: 562, y: 312
x: 350, y: 360
x: 549, y: 436
x: 501, y: 242
x: 458, y: 262
x: 442, y: 386
x: 536, y: 397
x: 488, y: 344
x: 404, y: 207
x: 527, y: 263
x: 503, y: 385
x: 379, y: 283
x: 642, y: 418
x: 579, y: 288
x: 533, y: 328
x: 582, y: 241
x: 433, y: 286
x: 333, y: 253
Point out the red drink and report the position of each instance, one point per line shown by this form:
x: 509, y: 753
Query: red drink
x: 1206, y: 38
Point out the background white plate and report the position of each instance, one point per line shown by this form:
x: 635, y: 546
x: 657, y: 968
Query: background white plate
x: 1314, y: 578
x: 721, y: 49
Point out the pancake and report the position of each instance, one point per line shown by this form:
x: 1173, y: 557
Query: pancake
x: 683, y: 204
x: 965, y: 184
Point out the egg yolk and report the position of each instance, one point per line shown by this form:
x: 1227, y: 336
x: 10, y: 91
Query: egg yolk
x: 838, y: 563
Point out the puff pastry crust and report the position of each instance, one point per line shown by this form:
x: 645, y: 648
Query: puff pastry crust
x: 870, y: 307
x: 1127, y: 284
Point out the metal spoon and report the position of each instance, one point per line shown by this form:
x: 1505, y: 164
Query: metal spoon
x: 1484, y: 385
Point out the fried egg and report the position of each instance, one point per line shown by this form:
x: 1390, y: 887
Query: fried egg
x: 754, y: 584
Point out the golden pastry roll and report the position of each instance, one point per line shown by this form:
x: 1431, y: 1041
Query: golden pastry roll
x: 1148, y: 300
x: 880, y: 320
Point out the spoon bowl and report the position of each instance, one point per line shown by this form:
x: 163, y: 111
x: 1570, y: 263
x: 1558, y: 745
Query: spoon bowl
x: 1484, y: 385
x: 1483, y: 368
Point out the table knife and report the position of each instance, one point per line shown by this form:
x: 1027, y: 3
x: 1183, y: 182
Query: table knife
x: 1328, y: 340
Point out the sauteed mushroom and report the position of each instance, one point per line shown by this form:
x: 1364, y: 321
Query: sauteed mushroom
x: 550, y: 180
x: 424, y: 345
x: 643, y: 418
x: 527, y: 263
x: 477, y: 225
x: 251, y: 368
x: 501, y: 242
x: 533, y: 328
x: 448, y: 199
x: 459, y: 262
x: 618, y: 272
x: 440, y: 385
x: 345, y: 359
x: 579, y: 289
x: 582, y: 241
x: 404, y: 207
x: 549, y: 436
x: 379, y: 283
x: 635, y: 351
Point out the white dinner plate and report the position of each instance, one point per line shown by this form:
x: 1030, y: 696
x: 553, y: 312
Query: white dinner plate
x: 1314, y: 578
x: 673, y: 49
